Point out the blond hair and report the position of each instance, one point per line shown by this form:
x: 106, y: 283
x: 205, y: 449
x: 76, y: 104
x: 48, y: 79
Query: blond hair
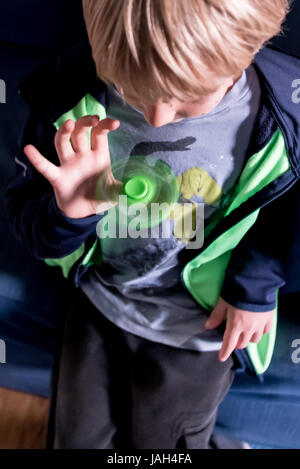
x: 159, y: 49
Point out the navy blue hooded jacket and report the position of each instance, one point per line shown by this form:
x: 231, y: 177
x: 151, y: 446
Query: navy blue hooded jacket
x: 267, y: 258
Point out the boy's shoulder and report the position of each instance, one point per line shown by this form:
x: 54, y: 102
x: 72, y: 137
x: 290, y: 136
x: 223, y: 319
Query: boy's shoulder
x: 58, y: 84
x: 279, y: 75
x: 271, y: 57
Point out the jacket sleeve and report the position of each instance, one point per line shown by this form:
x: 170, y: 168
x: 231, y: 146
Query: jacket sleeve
x: 261, y: 262
x: 34, y: 215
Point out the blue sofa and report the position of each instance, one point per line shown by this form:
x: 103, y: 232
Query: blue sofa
x: 31, y: 297
x: 31, y: 300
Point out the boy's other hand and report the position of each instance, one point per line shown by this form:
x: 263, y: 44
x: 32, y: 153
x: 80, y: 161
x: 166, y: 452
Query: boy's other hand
x: 242, y: 326
x: 75, y: 181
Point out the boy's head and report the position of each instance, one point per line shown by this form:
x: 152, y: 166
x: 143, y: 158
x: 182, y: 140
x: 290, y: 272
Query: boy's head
x: 177, y: 58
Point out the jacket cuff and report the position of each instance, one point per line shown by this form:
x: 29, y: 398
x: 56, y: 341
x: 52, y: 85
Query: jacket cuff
x: 254, y: 308
x: 63, y: 234
x: 251, y: 283
x: 60, y: 219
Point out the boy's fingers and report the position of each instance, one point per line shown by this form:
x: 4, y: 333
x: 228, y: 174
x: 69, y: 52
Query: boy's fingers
x: 99, y: 134
x: 268, y: 328
x: 231, y: 337
x: 62, y: 140
x: 256, y: 337
x: 243, y: 340
x: 79, y: 136
x: 216, y: 316
x: 41, y: 164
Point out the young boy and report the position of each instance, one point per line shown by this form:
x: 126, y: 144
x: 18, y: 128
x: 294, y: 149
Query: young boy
x: 182, y: 82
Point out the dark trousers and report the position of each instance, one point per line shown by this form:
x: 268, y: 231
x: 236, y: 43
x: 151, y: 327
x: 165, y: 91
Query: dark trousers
x: 114, y: 390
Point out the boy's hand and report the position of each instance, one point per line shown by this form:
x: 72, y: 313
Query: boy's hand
x: 242, y: 326
x: 76, y: 181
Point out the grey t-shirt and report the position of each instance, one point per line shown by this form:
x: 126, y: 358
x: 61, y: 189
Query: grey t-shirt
x: 138, y: 285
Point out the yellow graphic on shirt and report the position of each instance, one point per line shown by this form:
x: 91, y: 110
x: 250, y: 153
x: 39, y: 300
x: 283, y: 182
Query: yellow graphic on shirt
x: 193, y: 182
x: 196, y: 181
